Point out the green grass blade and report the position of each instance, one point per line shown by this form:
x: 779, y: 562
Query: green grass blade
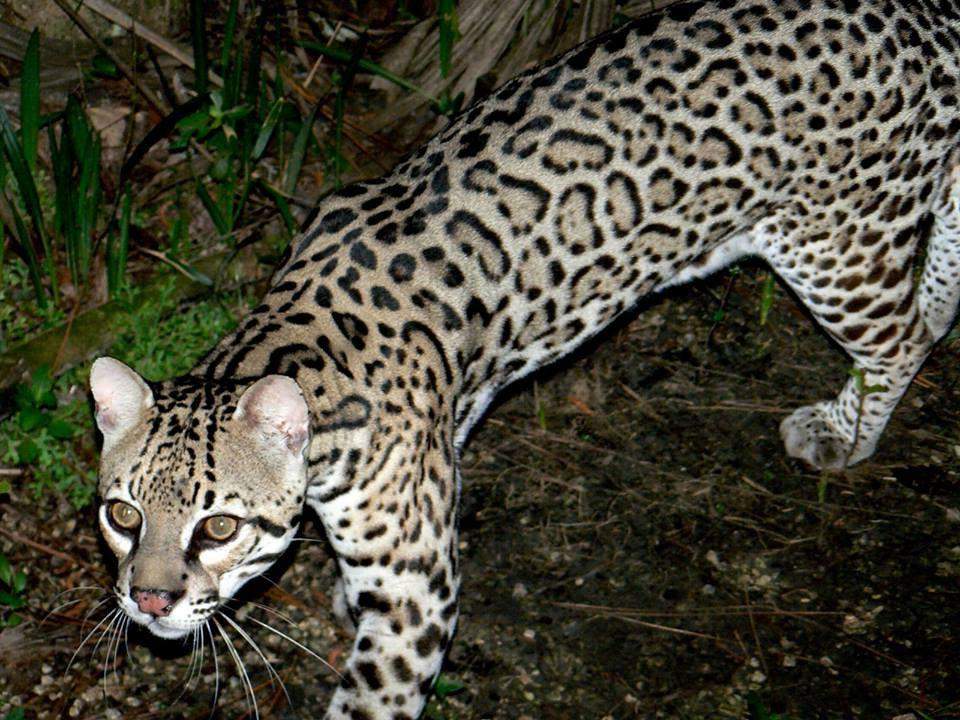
x: 251, y: 92
x: 219, y: 221
x: 449, y: 33
x: 190, y: 271
x: 118, y: 247
x: 29, y: 254
x: 64, y: 196
x: 77, y: 178
x: 90, y: 205
x: 28, y: 192
x: 282, y: 206
x: 229, y: 29
x: 198, y: 33
x: 367, y: 66
x: 77, y: 128
x: 298, y: 152
x: 767, y: 297
x: 266, y: 130
x: 30, y: 100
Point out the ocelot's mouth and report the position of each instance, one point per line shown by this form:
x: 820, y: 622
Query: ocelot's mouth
x: 164, y: 629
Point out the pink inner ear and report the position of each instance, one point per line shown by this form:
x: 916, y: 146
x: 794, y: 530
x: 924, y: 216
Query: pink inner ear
x: 120, y: 395
x: 275, y: 406
x: 296, y: 438
x: 104, y: 419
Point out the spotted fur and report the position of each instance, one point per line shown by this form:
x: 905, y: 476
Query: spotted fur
x: 818, y: 136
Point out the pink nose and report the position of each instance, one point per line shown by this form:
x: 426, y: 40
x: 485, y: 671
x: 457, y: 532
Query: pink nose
x: 158, y: 603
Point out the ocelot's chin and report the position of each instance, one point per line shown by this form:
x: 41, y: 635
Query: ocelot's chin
x: 165, y: 630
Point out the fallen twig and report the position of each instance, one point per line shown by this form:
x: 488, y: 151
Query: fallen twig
x: 18, y: 538
x: 151, y: 97
x: 128, y: 23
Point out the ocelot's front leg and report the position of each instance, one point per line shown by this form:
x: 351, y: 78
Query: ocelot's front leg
x: 392, y: 523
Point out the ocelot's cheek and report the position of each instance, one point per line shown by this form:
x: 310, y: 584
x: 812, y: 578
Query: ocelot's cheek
x: 219, y: 560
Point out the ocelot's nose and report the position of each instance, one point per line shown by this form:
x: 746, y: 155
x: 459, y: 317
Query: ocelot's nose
x: 158, y: 603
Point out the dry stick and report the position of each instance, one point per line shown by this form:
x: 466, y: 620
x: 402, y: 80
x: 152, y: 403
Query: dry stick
x: 155, y: 102
x: 756, y: 635
x: 151, y: 97
x: 17, y: 538
x: 721, y: 611
x: 676, y: 631
x: 128, y: 23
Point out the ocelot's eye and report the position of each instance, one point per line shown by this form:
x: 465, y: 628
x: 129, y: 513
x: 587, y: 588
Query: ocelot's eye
x: 124, y: 516
x: 220, y: 528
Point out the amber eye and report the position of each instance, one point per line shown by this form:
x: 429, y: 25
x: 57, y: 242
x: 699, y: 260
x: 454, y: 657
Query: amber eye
x: 220, y: 527
x: 124, y: 516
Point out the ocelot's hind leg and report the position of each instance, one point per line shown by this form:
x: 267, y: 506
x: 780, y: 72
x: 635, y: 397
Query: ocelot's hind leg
x: 857, y: 281
x: 939, y: 292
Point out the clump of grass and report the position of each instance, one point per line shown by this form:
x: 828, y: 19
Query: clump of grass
x: 70, y: 235
x: 163, y: 340
x: 78, y: 196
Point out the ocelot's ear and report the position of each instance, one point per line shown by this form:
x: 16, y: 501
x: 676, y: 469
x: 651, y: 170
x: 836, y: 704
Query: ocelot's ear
x: 121, y: 397
x: 274, y: 407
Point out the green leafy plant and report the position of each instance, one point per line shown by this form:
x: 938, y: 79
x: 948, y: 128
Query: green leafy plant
x: 443, y: 688
x: 30, y: 101
x: 215, y: 122
x: 34, y: 402
x: 160, y: 341
x: 13, y: 583
x: 758, y: 710
x: 41, y: 437
x: 344, y: 57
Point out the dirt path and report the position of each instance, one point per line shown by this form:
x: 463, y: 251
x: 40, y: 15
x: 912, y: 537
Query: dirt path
x: 635, y: 544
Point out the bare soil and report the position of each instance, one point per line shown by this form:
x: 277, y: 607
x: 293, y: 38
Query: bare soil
x: 634, y: 543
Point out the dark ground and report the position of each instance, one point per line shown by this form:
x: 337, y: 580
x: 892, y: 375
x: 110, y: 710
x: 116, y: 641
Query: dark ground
x: 635, y: 544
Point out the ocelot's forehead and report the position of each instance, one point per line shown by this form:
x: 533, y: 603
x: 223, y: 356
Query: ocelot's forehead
x: 188, y: 453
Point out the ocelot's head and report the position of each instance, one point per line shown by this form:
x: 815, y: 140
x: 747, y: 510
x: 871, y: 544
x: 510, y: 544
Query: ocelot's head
x: 202, y: 486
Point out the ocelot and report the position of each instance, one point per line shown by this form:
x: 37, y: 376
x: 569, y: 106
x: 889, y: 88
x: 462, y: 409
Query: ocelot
x: 818, y: 136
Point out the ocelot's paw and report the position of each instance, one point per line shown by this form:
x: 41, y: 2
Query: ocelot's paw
x: 808, y: 436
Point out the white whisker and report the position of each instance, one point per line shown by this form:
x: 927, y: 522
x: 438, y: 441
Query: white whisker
x: 93, y: 609
x: 216, y: 669
x: 121, y: 635
x: 126, y: 645
x: 263, y: 657
x: 273, y: 611
x: 111, y: 634
x: 200, y: 664
x: 238, y: 661
x: 88, y: 636
x: 299, y: 645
